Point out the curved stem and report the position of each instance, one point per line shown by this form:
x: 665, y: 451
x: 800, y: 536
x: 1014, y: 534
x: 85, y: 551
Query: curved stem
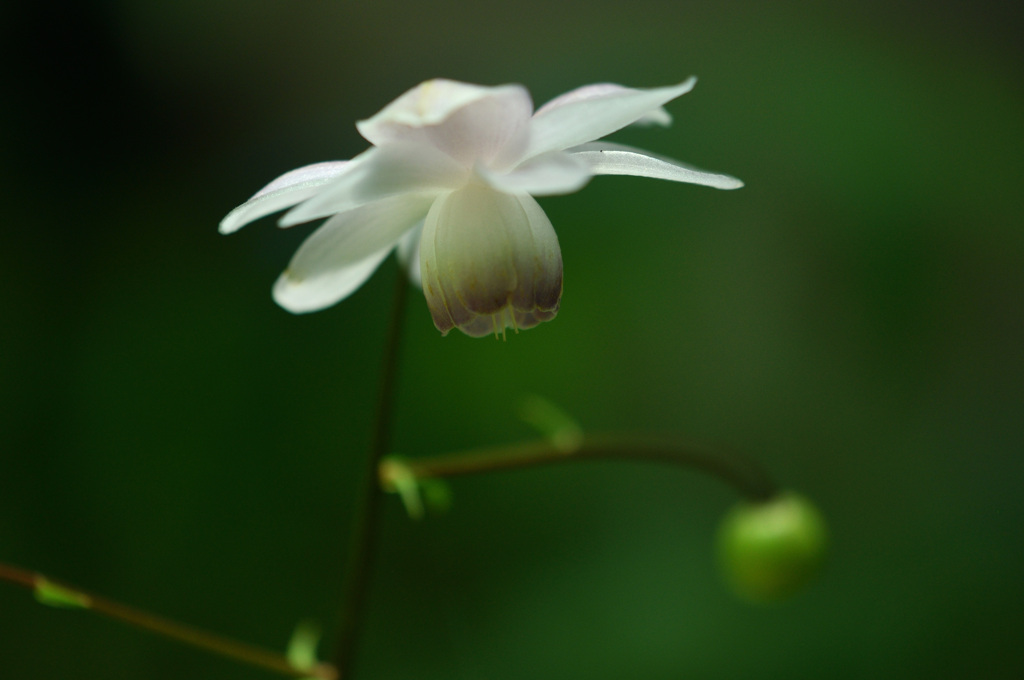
x: 749, y: 480
x: 364, y: 533
x: 61, y: 594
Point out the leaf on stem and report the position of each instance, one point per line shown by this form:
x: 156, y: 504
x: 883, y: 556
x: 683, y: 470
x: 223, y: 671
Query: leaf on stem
x: 417, y: 495
x: 53, y: 595
x: 552, y: 421
x: 396, y: 477
x: 301, y: 651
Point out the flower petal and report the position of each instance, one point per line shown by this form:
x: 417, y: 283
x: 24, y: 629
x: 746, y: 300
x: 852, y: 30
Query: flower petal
x: 284, y: 192
x: 379, y: 173
x: 329, y: 288
x: 335, y: 260
x: 490, y: 260
x: 409, y: 253
x: 658, y: 116
x: 468, y: 122
x: 605, y: 158
x: 546, y: 175
x: 589, y: 117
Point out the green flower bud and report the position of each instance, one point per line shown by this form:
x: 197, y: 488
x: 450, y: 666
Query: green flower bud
x: 769, y: 550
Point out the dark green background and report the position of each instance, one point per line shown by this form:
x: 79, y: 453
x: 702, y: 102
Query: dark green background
x: 853, y: 318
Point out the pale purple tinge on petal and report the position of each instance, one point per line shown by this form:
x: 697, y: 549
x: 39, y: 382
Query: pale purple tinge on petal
x: 496, y: 324
x: 379, y: 173
x: 489, y: 261
x: 549, y: 174
x: 287, y: 190
x: 493, y: 131
x: 605, y: 158
x: 585, y: 119
x: 470, y: 123
x: 658, y: 116
x: 337, y: 257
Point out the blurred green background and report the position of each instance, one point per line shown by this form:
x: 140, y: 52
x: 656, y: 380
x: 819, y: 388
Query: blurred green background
x: 853, y: 318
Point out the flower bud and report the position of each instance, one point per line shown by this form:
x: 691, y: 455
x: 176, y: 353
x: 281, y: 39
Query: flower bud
x: 489, y: 261
x: 769, y: 550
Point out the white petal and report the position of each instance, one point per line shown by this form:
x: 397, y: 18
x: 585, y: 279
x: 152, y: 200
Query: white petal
x: 429, y: 103
x: 468, y: 122
x: 336, y: 258
x: 329, y: 288
x: 409, y: 253
x: 379, y: 173
x: 285, y: 191
x: 658, y: 116
x: 605, y: 158
x: 546, y: 175
x: 587, y: 118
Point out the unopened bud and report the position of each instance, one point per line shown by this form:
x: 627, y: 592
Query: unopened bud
x: 769, y: 550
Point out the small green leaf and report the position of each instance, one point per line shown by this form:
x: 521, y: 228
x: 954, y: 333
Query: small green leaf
x: 53, y: 595
x: 396, y: 477
x: 301, y: 651
x: 437, y: 495
x: 418, y: 495
x: 552, y: 422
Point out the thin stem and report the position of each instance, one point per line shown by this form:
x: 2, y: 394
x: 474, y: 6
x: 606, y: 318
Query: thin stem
x: 749, y: 480
x: 239, y: 651
x: 367, y: 520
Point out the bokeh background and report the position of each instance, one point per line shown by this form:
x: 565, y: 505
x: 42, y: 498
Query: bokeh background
x: 853, y: 318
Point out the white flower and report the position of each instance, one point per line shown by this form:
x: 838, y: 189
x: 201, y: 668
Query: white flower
x: 450, y: 181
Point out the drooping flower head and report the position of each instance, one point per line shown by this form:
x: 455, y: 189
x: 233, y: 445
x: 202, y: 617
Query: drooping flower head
x: 449, y: 182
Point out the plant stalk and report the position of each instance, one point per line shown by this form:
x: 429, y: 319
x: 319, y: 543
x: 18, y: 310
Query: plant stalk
x: 745, y: 476
x: 61, y: 594
x: 365, y: 530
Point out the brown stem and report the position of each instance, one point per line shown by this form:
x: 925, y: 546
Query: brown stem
x: 742, y: 474
x: 365, y: 528
x: 239, y: 651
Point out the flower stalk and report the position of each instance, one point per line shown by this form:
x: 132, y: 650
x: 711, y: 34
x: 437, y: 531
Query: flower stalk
x: 745, y: 476
x: 53, y: 593
x: 365, y: 528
